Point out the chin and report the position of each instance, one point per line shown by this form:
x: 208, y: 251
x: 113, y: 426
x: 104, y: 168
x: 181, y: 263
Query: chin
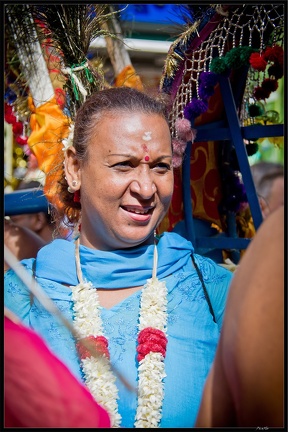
x: 134, y: 240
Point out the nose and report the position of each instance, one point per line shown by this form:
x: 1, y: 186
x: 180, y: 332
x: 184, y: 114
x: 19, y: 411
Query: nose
x: 144, y: 184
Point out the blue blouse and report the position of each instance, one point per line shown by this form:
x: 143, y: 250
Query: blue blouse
x: 192, y: 333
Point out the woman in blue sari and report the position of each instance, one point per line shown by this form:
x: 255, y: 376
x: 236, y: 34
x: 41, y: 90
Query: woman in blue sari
x: 148, y: 304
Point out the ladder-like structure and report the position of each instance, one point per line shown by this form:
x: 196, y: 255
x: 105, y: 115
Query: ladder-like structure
x: 222, y: 30
x: 232, y: 132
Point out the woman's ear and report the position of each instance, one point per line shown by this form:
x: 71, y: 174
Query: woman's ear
x: 72, y: 168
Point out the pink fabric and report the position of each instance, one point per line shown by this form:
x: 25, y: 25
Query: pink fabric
x: 39, y: 389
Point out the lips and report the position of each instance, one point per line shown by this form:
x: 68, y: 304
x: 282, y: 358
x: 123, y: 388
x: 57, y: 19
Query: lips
x: 137, y: 210
x: 138, y: 213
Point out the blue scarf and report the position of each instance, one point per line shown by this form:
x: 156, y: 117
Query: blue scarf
x: 113, y: 269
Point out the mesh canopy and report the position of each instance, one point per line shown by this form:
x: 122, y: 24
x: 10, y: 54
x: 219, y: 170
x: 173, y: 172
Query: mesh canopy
x: 256, y: 26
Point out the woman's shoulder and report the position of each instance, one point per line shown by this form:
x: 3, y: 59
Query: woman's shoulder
x: 174, y: 241
x: 55, y: 250
x: 27, y: 263
x: 208, y: 266
x: 58, y: 243
x: 56, y: 262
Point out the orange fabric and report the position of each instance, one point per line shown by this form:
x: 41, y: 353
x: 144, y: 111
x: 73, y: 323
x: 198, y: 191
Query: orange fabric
x: 128, y: 78
x: 48, y: 128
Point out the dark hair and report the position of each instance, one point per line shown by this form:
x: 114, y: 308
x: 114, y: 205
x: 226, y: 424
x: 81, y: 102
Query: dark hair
x: 115, y: 101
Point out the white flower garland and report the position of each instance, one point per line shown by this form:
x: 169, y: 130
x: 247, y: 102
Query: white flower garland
x: 97, y: 371
x: 68, y: 142
x: 98, y: 375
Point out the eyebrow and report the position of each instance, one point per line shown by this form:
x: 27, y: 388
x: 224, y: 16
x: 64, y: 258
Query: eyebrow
x: 130, y: 155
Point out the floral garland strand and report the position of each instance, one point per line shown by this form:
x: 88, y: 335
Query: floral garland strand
x: 152, y: 341
x: 97, y: 371
x: 98, y: 375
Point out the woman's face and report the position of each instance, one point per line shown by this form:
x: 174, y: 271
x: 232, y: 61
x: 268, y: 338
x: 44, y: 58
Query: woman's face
x: 126, y: 182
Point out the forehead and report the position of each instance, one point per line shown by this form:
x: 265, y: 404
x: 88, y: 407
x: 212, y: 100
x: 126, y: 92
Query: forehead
x: 144, y: 126
x: 118, y: 114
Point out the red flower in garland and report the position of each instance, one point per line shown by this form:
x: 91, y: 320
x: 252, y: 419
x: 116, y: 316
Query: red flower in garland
x: 8, y: 109
x: 98, y: 343
x: 9, y: 115
x: 151, y: 339
x: 10, y: 118
x: 21, y: 140
x: 17, y: 128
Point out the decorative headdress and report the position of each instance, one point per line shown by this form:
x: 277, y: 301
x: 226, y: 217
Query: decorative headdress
x: 57, y: 38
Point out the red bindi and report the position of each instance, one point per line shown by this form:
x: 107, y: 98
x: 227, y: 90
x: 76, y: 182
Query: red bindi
x: 146, y: 158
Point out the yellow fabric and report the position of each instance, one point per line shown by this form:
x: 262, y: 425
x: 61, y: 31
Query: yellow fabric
x: 128, y: 78
x: 49, y: 126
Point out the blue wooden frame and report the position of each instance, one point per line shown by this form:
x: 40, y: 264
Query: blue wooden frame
x: 25, y: 201
x: 233, y: 132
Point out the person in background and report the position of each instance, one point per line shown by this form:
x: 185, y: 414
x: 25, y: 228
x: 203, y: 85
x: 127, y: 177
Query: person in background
x: 148, y: 303
x: 39, y: 390
x: 25, y: 234
x: 269, y: 184
x: 21, y: 241
x: 245, y: 387
x: 40, y: 223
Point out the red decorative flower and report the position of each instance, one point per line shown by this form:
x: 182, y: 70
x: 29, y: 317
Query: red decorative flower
x: 98, y: 343
x: 8, y: 109
x: 151, y: 339
x: 257, y: 62
x: 276, y: 71
x: 10, y: 118
x: 17, y: 128
x: 21, y: 140
x: 274, y: 54
x: 260, y: 93
x: 269, y: 85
